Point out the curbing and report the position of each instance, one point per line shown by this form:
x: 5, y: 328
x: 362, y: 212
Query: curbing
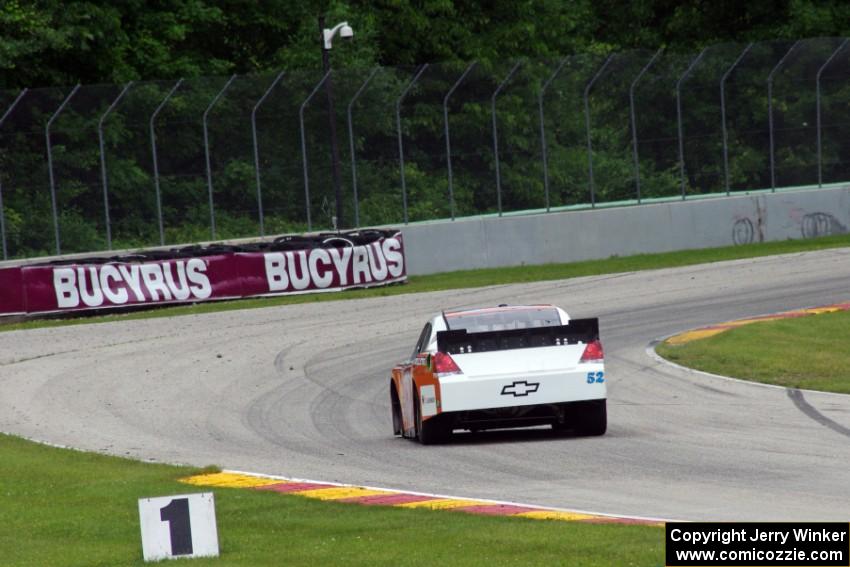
x: 716, y: 329
x: 375, y: 496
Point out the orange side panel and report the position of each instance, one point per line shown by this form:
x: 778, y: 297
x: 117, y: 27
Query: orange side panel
x: 422, y: 376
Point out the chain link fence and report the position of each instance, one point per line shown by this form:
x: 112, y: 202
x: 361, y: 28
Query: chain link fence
x: 101, y: 167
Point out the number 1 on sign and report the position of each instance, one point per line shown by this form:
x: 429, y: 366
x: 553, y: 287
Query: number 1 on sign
x: 179, y: 525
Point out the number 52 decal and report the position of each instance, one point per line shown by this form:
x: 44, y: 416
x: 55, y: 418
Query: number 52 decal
x: 595, y: 377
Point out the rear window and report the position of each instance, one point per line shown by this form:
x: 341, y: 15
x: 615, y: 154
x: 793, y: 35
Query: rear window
x: 483, y: 321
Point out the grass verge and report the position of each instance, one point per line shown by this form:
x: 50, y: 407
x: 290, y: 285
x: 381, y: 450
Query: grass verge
x: 61, y: 508
x: 478, y: 278
x: 807, y: 352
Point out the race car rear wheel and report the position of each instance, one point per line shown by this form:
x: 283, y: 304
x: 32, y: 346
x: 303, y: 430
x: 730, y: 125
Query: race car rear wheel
x: 592, y: 418
x: 429, y: 432
x: 398, y: 424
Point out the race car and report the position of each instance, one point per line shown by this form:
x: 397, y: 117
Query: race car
x: 501, y: 367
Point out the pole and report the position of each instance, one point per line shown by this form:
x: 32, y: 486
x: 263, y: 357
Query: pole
x: 3, y: 118
x: 257, y: 150
x: 50, y: 167
x: 587, y: 126
x: 817, y: 103
x: 634, y: 120
x: 448, y: 137
x: 400, y: 141
x: 723, y: 113
x: 496, y: 134
x: 543, y: 148
x: 304, y: 146
x: 207, y: 153
x: 326, y: 65
x: 351, y: 145
x: 156, y: 162
x: 103, y: 173
x: 679, y: 83
x: 770, y: 114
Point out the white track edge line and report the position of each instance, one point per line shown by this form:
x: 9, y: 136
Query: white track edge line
x: 449, y: 497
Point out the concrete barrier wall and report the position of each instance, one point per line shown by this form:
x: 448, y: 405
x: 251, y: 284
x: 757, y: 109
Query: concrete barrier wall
x: 491, y: 242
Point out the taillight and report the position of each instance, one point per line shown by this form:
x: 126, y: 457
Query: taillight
x: 442, y: 363
x: 593, y: 352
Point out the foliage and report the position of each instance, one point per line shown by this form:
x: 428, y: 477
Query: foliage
x: 53, y: 42
x: 106, y: 44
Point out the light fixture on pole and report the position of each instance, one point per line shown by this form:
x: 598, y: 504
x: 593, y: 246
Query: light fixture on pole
x: 344, y: 30
x: 328, y: 34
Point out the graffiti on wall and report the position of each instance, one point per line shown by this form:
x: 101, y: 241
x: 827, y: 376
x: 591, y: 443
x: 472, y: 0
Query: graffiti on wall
x: 748, y: 229
x: 743, y: 231
x: 818, y: 224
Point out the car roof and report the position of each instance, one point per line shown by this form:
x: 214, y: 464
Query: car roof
x: 497, y: 309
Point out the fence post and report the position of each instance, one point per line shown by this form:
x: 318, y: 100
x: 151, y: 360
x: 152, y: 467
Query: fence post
x: 723, y: 113
x: 351, y: 145
x: 543, y: 149
x: 50, y: 167
x: 257, y: 150
x: 634, y: 121
x: 770, y: 113
x: 207, y: 153
x: 496, y: 134
x: 446, y: 133
x: 681, y: 80
x: 817, y: 105
x: 156, y: 162
x: 587, y: 126
x: 400, y: 140
x: 3, y: 118
x: 103, y: 173
x: 304, y: 146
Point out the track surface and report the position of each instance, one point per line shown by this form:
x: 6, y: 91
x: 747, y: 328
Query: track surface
x: 302, y: 391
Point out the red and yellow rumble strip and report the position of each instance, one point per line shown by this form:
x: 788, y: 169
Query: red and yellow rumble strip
x: 710, y: 331
x: 381, y: 497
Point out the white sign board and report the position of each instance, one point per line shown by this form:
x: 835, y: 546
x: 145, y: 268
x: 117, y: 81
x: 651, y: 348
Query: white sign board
x: 178, y: 526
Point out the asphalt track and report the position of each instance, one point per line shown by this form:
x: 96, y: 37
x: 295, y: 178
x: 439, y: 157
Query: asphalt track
x: 302, y: 391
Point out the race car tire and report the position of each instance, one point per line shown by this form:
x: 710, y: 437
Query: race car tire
x: 398, y: 424
x: 429, y: 432
x: 592, y: 418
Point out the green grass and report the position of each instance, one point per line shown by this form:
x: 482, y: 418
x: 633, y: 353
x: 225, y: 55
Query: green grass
x: 809, y: 352
x: 62, y: 507
x: 479, y: 278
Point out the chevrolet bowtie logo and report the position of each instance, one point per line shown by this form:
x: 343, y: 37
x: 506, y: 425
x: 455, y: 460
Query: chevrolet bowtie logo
x: 518, y: 389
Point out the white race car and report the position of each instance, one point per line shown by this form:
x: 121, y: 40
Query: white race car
x: 505, y: 366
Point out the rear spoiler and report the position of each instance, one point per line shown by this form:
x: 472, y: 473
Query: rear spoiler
x: 462, y: 342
